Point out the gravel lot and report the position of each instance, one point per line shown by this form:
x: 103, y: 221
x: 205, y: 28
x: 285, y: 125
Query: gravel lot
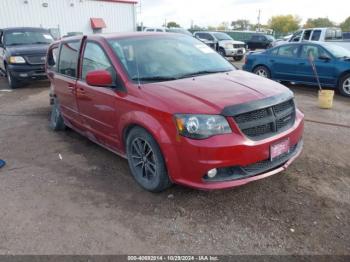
x: 88, y: 203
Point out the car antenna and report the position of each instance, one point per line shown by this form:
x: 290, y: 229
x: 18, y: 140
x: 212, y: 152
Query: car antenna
x: 138, y: 72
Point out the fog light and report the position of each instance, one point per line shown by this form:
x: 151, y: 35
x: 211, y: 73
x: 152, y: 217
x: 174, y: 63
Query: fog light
x: 212, y: 173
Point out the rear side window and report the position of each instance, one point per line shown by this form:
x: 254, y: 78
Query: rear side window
x: 288, y: 50
x: 69, y: 58
x: 316, y: 35
x: 95, y: 59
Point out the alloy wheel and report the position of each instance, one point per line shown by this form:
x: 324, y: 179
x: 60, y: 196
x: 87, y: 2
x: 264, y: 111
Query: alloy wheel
x: 143, y: 159
x: 261, y: 72
x: 346, y: 86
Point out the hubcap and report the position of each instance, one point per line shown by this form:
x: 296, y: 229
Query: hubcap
x: 346, y: 86
x: 142, y: 159
x: 261, y: 72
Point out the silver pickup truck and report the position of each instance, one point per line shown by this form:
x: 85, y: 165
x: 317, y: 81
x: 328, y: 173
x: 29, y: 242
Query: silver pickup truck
x: 332, y: 35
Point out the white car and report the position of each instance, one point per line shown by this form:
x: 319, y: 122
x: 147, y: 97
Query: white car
x: 156, y: 29
x: 224, y: 44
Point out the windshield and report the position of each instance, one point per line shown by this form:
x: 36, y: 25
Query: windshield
x: 167, y: 57
x: 338, y: 51
x: 27, y: 38
x: 222, y: 36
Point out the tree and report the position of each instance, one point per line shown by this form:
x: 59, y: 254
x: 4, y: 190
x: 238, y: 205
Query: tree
x: 284, y: 23
x: 197, y: 28
x: 241, y: 24
x: 172, y: 24
x: 211, y: 28
x: 345, y: 26
x: 223, y: 26
x: 319, y: 22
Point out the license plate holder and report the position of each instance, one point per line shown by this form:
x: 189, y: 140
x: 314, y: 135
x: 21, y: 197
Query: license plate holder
x: 279, y: 148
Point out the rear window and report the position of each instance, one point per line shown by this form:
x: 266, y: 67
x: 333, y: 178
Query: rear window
x: 69, y: 58
x: 316, y: 35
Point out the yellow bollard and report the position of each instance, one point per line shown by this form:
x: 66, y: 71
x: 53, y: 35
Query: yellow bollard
x: 325, y: 99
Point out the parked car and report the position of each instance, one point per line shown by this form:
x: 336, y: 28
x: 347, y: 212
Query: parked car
x: 290, y: 62
x: 223, y: 43
x: 179, y: 112
x: 179, y: 30
x: 346, y: 35
x: 22, y: 54
x: 281, y: 40
x: 331, y: 35
x: 156, y: 29
x: 260, y: 41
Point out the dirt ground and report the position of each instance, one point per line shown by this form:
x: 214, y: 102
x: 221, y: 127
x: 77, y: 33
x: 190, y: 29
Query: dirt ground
x: 88, y: 203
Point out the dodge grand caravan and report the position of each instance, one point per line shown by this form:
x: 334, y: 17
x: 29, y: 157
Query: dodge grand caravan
x: 178, y: 111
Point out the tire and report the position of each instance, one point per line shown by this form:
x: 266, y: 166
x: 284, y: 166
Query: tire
x: 11, y: 81
x: 237, y: 58
x: 262, y: 71
x: 146, y: 161
x: 56, y: 119
x: 344, y: 85
x: 222, y: 52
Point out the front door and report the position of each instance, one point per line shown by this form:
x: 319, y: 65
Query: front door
x: 325, y: 69
x: 98, y: 105
x: 65, y: 81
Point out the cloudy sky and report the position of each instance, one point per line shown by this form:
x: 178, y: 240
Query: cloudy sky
x: 213, y: 12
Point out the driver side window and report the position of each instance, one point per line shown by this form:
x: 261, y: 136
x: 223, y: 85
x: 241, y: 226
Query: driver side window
x: 95, y: 59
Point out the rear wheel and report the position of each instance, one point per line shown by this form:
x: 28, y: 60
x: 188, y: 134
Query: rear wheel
x: 344, y: 85
x: 262, y: 71
x: 56, y: 119
x: 238, y: 58
x: 146, y: 161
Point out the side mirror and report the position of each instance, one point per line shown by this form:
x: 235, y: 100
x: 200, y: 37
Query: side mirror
x: 325, y: 58
x: 99, y: 78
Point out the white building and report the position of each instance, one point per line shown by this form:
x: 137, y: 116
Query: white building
x: 66, y: 16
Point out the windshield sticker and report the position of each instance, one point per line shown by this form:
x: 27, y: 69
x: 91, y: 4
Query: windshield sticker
x: 205, y: 49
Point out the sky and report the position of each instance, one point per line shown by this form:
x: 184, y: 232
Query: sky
x: 153, y: 13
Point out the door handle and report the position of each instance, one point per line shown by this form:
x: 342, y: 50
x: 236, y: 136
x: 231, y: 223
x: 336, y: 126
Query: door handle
x: 272, y: 61
x: 302, y: 63
x: 71, y: 87
x: 81, y: 90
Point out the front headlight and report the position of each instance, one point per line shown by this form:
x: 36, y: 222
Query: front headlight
x: 17, y: 60
x: 201, y: 126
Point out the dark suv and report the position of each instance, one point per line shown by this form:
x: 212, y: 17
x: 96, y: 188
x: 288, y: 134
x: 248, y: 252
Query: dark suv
x: 23, y: 53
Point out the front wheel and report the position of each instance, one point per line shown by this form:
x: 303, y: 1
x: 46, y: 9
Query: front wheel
x: 237, y: 58
x: 11, y: 81
x: 262, y: 71
x: 146, y: 161
x: 344, y: 85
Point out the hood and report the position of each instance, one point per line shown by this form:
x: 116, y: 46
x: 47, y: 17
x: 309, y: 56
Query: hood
x: 210, y: 94
x: 231, y: 42
x: 27, y: 49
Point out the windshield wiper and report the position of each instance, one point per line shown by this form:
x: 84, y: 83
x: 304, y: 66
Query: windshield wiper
x: 203, y: 72
x: 154, y: 78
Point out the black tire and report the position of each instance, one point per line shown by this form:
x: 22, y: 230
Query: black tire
x: 11, y: 81
x: 344, y: 85
x: 56, y: 119
x: 262, y: 71
x: 237, y: 58
x: 222, y: 52
x: 146, y: 161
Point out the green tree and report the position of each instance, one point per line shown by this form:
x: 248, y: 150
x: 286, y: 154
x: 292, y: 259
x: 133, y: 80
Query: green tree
x: 211, y: 28
x: 284, y: 23
x: 223, y: 26
x: 241, y: 24
x: 172, y: 24
x: 319, y: 22
x: 345, y: 26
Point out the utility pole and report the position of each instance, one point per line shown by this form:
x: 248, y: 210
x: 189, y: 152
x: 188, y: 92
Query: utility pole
x: 259, y: 17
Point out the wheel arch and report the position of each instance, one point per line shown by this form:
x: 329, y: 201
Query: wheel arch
x: 341, y: 75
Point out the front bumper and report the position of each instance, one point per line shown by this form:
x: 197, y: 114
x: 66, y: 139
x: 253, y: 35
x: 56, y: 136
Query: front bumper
x: 235, y: 52
x: 27, y: 72
x: 194, y: 158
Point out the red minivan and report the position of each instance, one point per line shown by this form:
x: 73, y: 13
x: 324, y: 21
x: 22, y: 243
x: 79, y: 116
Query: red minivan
x: 179, y: 112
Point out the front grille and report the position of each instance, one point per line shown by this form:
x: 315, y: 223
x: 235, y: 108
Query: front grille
x: 266, y: 122
x: 239, y: 46
x: 36, y: 59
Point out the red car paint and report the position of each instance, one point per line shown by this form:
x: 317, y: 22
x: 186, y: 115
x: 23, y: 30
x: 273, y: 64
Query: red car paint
x: 104, y: 115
